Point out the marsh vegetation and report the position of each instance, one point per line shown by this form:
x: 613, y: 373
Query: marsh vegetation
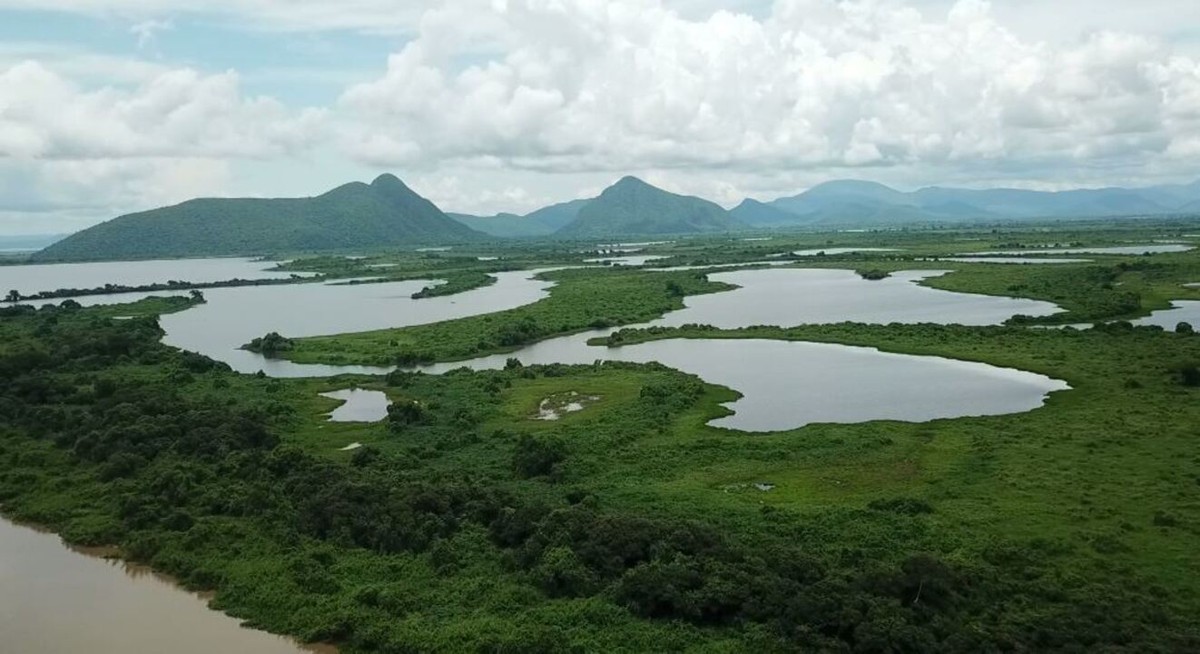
x: 458, y: 522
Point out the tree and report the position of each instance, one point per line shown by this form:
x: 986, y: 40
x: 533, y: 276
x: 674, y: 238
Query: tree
x: 536, y: 457
x: 1184, y: 328
x: 14, y: 296
x: 197, y: 296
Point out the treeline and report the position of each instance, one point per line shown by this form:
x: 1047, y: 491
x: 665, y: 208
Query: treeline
x: 456, y: 283
x: 15, y: 296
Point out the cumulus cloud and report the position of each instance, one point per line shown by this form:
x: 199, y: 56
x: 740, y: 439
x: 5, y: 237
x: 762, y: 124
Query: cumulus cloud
x: 176, y: 113
x: 83, y: 154
x: 491, y: 105
x: 592, y: 85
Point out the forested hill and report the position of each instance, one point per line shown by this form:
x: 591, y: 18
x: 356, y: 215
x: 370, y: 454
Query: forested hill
x: 632, y: 207
x: 355, y: 215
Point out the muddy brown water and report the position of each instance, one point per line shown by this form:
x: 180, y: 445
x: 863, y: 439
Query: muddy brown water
x: 56, y: 599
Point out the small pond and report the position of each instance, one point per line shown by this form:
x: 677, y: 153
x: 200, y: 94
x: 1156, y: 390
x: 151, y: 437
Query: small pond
x: 358, y: 405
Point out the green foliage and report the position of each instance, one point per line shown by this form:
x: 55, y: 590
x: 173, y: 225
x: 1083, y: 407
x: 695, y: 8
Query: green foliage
x: 455, y: 284
x: 356, y: 215
x: 1068, y: 528
x: 537, y: 456
x: 873, y: 274
x: 583, y: 299
x: 270, y: 345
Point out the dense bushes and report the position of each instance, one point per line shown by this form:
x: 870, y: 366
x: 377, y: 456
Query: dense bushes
x: 178, y: 471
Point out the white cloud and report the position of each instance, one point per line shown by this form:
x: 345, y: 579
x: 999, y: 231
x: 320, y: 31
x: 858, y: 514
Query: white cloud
x: 510, y: 104
x: 176, y: 113
x: 82, y: 154
x: 625, y: 84
x: 62, y: 196
x: 630, y: 84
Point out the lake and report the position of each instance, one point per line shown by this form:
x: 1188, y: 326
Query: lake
x: 1158, y: 248
x: 815, y: 252
x: 233, y: 317
x: 358, y: 405
x: 1182, y: 311
x: 56, y: 600
x: 35, y: 278
x: 786, y: 297
x: 780, y: 296
x: 1012, y: 260
x: 790, y: 384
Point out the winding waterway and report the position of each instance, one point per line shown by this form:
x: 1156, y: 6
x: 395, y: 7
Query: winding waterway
x: 785, y: 385
x: 233, y: 317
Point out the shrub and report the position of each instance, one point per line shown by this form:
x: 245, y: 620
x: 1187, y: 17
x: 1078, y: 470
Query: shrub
x: 537, y: 457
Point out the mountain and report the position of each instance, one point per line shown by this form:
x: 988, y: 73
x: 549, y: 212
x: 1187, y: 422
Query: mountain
x: 543, y: 222
x: 632, y: 207
x: 758, y: 214
x: 353, y: 216
x: 868, y: 203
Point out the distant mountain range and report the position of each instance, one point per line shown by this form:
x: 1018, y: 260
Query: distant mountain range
x: 353, y: 216
x: 851, y: 202
x: 542, y: 222
x: 386, y: 213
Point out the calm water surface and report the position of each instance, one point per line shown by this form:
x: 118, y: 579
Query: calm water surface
x: 832, y: 251
x: 785, y: 384
x: 54, y: 600
x: 1182, y: 311
x: 1160, y: 248
x: 1012, y: 260
x: 789, y: 384
x: 233, y: 317
x: 51, y: 277
x: 359, y: 405
x: 786, y: 297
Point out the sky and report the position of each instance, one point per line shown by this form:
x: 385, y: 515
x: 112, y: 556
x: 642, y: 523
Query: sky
x: 483, y: 106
